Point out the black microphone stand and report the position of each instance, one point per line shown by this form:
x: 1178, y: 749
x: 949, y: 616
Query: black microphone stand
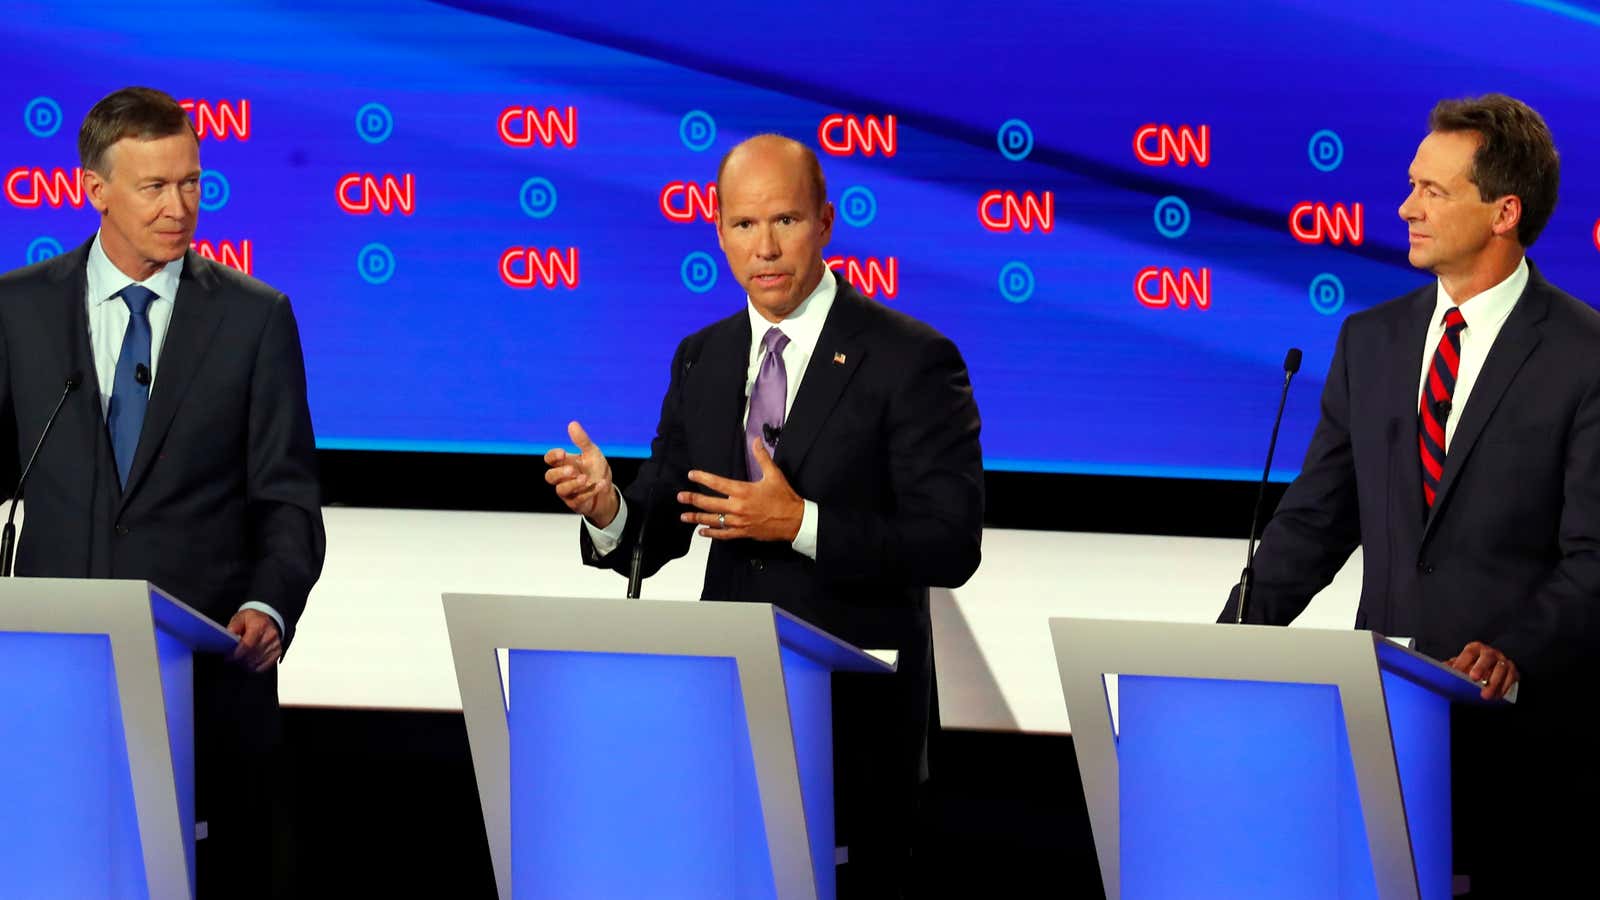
x: 1291, y: 365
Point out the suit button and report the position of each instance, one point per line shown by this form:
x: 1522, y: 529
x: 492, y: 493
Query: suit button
x: 122, y: 531
x: 757, y: 565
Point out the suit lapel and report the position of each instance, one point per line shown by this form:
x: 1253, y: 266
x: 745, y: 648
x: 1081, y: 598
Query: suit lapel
x: 195, y: 317
x: 1405, y: 360
x: 715, y: 390
x: 1516, y: 341
x: 838, y: 353
x: 66, y: 315
x: 70, y: 319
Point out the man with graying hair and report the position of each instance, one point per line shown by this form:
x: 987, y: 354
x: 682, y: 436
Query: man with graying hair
x: 186, y: 457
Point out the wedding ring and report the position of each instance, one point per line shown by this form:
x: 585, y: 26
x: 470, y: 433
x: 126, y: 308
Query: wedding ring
x: 722, y: 520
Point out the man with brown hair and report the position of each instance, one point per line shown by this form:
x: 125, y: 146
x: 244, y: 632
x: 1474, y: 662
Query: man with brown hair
x: 187, y: 456
x: 1459, y: 446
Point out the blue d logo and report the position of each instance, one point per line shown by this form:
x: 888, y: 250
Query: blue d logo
x: 699, y: 272
x: 1326, y: 150
x: 1015, y: 139
x: 374, y: 123
x: 697, y: 130
x: 42, y: 116
x: 538, y: 197
x: 858, y: 207
x: 1172, y: 217
x: 1327, y: 293
x: 1016, y: 282
x: 375, y: 263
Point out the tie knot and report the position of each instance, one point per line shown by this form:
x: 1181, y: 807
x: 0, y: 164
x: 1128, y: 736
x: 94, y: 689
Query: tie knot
x: 775, y: 340
x: 1453, y: 320
x: 138, y: 298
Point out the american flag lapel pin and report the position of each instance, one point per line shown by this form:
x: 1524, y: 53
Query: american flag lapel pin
x: 838, y: 359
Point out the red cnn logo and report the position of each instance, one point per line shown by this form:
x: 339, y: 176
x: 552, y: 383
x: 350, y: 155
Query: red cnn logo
x: 225, y: 252
x: 29, y: 187
x: 219, y: 119
x: 1327, y: 223
x: 1025, y: 212
x: 526, y: 267
x: 842, y: 135
x: 696, y: 201
x: 520, y: 126
x: 1158, y: 288
x: 870, y: 276
x: 1160, y: 145
x: 359, y: 194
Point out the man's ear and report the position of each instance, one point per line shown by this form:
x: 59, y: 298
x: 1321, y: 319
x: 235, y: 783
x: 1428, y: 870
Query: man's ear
x: 94, y: 189
x: 1508, y: 215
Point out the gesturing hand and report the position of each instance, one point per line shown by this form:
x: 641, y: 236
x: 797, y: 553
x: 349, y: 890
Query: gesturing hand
x: 765, y: 510
x: 583, y: 480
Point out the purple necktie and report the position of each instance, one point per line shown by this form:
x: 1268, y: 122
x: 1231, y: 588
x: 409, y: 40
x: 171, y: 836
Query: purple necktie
x: 766, y: 400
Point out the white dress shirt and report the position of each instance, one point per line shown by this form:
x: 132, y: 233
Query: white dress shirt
x: 803, y: 327
x: 108, y: 323
x: 1484, y: 314
x: 108, y: 315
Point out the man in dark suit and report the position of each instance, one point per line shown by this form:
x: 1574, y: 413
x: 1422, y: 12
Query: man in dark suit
x: 186, y: 457
x: 828, y: 446
x: 1459, y: 446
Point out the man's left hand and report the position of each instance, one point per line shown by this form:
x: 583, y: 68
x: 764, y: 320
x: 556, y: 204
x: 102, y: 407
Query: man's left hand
x: 1488, y: 667
x: 765, y: 510
x: 259, y: 646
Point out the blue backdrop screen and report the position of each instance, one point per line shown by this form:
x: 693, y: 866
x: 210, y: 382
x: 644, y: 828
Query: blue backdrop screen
x: 493, y: 217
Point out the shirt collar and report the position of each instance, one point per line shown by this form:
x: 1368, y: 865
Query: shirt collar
x: 1491, y: 307
x: 106, y: 281
x: 804, y: 325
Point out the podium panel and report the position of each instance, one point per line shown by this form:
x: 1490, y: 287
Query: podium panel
x: 1237, y: 782
x: 651, y: 775
x: 1262, y: 762
x: 96, y: 739
x: 645, y: 748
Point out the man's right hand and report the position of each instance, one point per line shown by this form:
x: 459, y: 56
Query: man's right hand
x: 583, y: 479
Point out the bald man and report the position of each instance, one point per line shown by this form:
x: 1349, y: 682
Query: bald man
x: 828, y: 446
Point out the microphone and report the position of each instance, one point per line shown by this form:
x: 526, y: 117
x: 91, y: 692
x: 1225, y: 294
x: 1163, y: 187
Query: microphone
x: 141, y: 374
x: 1291, y: 365
x: 1441, y: 411
x: 636, y: 561
x: 771, y: 433
x: 8, y: 538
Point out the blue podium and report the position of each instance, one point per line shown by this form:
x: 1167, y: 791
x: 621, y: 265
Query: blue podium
x: 97, y: 739
x: 661, y: 749
x: 1249, y: 761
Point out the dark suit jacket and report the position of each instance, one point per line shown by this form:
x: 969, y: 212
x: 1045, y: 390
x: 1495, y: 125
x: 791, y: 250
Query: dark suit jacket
x: 1510, y: 553
x: 883, y: 436
x: 222, y: 504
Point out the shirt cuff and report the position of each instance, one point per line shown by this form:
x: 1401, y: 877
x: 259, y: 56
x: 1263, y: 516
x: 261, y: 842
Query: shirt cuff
x: 606, y: 539
x: 263, y: 608
x: 805, y: 542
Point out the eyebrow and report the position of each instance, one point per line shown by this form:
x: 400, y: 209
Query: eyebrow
x: 160, y: 179
x: 751, y: 217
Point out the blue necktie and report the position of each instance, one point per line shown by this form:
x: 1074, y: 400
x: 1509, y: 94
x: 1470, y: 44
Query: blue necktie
x: 130, y: 391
